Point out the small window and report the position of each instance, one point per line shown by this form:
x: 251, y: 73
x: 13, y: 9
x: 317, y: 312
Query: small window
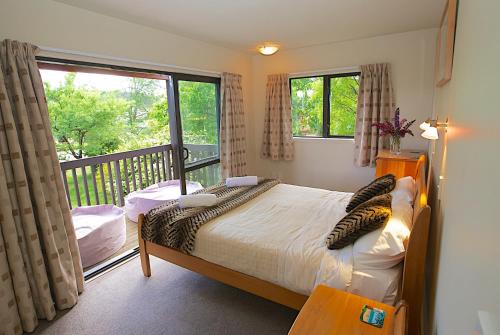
x: 307, y: 106
x: 343, y: 105
x: 324, y: 106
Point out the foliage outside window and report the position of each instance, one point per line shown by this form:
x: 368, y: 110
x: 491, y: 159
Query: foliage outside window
x: 117, y: 114
x: 199, y: 119
x: 198, y: 112
x: 324, y: 106
x: 307, y: 106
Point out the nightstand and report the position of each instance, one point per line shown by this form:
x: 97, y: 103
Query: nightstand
x: 329, y: 311
x: 402, y: 165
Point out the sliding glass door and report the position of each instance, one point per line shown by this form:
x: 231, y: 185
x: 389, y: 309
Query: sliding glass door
x: 194, y: 122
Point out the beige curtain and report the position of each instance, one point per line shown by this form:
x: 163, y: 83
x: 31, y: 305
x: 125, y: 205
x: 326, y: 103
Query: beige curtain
x: 277, y: 143
x: 375, y: 104
x: 233, y: 155
x: 40, y: 267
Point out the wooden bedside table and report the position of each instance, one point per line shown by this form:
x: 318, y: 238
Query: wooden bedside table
x: 402, y: 165
x: 332, y: 312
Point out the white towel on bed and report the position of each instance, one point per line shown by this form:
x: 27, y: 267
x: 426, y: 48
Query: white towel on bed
x: 197, y: 200
x: 241, y: 181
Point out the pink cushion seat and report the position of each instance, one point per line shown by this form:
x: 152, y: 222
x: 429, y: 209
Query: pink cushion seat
x: 100, y: 231
x: 142, y: 201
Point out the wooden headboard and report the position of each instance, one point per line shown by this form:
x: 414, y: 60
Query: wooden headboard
x: 416, y: 252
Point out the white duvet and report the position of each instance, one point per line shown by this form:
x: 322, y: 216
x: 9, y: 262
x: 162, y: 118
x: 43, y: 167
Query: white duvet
x: 280, y: 237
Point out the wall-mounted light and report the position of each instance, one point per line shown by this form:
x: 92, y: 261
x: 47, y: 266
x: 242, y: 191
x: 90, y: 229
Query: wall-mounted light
x: 268, y: 49
x: 425, y: 125
x: 431, y: 133
x: 430, y: 128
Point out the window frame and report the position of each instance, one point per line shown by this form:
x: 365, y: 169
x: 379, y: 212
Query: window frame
x: 326, y: 102
x: 176, y: 77
x: 172, y: 79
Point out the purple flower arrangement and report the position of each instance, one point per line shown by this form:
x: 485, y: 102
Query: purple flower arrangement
x: 397, y: 129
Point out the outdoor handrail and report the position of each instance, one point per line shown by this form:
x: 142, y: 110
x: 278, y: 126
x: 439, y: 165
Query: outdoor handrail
x: 107, y: 179
x: 119, y: 174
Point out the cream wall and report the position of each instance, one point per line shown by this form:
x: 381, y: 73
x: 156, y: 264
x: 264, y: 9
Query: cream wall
x: 328, y: 163
x: 52, y: 24
x: 465, y: 270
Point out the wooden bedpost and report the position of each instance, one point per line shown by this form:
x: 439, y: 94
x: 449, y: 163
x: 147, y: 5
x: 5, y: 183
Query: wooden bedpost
x: 413, y: 289
x: 146, y: 267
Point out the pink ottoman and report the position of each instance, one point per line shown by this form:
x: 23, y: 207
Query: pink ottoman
x: 100, y: 231
x: 142, y: 201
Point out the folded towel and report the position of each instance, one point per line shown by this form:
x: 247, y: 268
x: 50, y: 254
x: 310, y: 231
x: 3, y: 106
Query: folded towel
x: 197, y: 200
x: 241, y: 181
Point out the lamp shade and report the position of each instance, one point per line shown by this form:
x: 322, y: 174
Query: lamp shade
x: 431, y: 133
x: 425, y: 125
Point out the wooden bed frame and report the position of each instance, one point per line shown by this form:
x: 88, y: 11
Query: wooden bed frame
x: 413, y: 274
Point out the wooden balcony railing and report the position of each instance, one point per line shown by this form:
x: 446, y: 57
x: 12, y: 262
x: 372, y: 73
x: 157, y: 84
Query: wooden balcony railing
x: 107, y: 179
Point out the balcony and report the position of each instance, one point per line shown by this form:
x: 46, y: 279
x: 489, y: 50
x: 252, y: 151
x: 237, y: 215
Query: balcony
x: 108, y: 179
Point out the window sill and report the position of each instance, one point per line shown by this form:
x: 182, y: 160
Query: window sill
x: 310, y: 138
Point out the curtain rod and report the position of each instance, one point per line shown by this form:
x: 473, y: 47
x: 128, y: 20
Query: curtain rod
x: 326, y: 71
x: 131, y: 61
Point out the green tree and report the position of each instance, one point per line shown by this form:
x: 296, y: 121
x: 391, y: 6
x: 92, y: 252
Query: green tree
x: 343, y: 105
x: 307, y: 106
x: 198, y: 112
x: 158, y: 121
x: 84, y: 122
x: 141, y: 94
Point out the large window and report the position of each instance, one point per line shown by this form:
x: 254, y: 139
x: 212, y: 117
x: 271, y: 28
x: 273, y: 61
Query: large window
x: 324, y: 106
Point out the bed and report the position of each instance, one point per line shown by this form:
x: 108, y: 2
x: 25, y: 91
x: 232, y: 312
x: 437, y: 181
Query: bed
x: 247, y: 249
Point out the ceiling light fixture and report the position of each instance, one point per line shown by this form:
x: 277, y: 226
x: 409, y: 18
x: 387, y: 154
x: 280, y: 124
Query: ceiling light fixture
x: 268, y: 49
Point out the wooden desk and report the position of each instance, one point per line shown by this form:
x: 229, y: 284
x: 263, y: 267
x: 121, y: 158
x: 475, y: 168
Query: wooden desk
x: 332, y: 312
x: 402, y: 165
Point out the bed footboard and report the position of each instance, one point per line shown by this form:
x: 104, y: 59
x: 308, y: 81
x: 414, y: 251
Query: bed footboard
x: 224, y: 275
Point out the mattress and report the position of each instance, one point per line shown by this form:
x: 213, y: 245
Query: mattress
x: 280, y: 237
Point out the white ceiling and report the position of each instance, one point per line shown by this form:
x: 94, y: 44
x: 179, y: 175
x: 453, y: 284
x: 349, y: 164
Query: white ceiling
x: 243, y: 24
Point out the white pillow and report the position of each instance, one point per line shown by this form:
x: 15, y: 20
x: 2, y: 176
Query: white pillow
x: 383, y: 248
x: 405, y: 189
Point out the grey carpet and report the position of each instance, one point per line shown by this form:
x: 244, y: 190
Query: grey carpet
x: 172, y: 301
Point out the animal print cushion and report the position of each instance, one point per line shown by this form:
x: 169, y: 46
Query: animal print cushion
x: 365, y: 218
x: 379, y: 186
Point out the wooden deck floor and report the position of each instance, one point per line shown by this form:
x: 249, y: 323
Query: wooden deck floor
x: 130, y: 243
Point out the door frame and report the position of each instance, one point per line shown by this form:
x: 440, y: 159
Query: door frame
x: 171, y: 78
x: 175, y: 125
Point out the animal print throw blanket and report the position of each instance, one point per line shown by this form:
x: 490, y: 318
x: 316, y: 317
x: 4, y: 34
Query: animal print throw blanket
x: 173, y: 227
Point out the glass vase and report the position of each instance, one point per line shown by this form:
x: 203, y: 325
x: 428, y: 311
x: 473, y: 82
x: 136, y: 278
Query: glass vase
x: 395, y: 145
